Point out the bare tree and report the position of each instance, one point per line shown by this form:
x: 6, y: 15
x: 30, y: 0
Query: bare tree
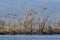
x: 29, y: 20
x: 2, y: 23
x: 16, y: 15
x: 43, y: 24
x: 58, y: 18
x: 44, y: 20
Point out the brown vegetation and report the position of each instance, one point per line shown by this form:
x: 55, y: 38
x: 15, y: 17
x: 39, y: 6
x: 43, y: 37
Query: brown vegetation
x: 29, y: 25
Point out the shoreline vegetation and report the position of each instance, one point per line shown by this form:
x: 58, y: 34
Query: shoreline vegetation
x: 29, y: 26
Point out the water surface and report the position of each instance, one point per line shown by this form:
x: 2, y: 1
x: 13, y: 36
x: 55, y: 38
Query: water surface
x: 29, y: 37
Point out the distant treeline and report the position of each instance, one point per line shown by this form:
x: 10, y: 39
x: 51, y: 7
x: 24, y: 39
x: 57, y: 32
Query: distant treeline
x: 30, y: 25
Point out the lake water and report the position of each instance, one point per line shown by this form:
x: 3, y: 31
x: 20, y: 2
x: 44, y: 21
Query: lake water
x: 29, y: 37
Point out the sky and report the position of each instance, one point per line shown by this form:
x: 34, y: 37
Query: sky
x: 53, y: 7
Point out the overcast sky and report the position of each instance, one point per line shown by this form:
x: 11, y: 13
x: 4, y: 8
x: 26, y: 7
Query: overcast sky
x: 53, y: 7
